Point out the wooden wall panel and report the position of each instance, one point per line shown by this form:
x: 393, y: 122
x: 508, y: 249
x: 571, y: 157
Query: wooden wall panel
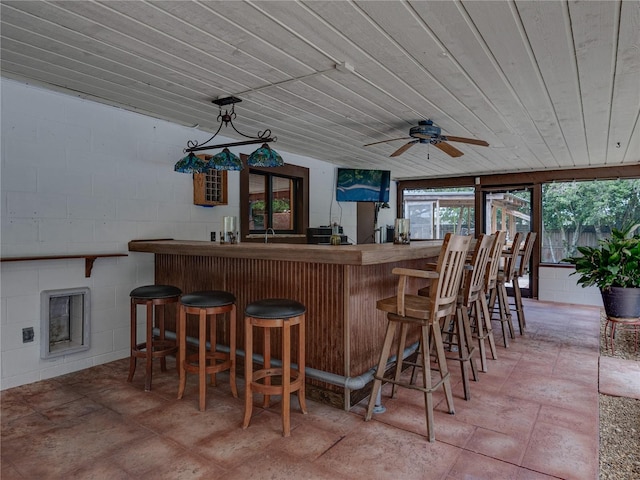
x: 366, y: 324
x: 318, y: 286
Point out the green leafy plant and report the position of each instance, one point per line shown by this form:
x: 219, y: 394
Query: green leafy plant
x: 615, y: 262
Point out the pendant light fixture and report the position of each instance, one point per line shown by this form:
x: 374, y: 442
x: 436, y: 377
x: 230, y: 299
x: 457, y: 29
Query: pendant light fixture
x: 226, y: 160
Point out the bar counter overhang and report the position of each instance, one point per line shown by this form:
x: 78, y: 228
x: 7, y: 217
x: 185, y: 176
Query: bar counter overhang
x: 339, y: 285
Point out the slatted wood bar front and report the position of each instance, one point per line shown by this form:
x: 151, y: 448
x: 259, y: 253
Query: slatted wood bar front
x: 339, y: 285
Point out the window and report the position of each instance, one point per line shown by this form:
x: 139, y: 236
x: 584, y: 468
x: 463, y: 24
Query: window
x: 271, y: 202
x: 434, y: 212
x: 275, y: 198
x: 581, y: 213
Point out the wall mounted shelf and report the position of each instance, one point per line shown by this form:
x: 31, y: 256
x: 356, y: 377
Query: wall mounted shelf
x: 88, y: 259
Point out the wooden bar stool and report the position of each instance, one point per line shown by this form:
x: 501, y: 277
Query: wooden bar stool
x: 267, y: 314
x: 152, y: 297
x: 505, y: 275
x: 407, y: 309
x: 522, y: 269
x: 207, y: 305
x: 481, y: 323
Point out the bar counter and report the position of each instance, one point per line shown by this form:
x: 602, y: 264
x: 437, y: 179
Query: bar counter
x: 339, y: 285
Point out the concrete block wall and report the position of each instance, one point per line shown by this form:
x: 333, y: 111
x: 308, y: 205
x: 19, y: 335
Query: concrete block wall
x: 81, y: 177
x: 556, y: 285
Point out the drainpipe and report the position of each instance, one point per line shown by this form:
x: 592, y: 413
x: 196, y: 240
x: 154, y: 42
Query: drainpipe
x: 352, y: 383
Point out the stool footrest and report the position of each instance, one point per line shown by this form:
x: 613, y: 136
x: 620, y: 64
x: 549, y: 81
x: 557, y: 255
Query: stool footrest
x: 191, y: 364
x: 159, y: 349
x: 256, y: 386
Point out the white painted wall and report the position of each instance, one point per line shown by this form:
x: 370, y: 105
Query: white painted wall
x: 81, y: 177
x: 556, y: 285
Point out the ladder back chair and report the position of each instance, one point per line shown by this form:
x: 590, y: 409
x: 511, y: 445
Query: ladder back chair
x: 426, y: 313
x: 471, y: 299
x: 522, y: 269
x: 506, y: 275
x: 482, y: 318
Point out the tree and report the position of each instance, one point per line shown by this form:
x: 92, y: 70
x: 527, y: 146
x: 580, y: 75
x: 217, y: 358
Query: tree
x: 573, y: 207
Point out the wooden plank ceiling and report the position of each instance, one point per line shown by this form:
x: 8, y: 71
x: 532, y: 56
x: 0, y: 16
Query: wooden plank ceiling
x: 549, y: 85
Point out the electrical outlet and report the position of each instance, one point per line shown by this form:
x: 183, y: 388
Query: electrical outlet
x: 27, y: 335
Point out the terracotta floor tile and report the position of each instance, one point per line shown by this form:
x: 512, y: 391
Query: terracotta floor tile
x: 563, y: 452
x: 500, y: 413
x: 382, y: 452
x: 499, y: 446
x: 472, y: 465
x: 549, y: 390
x: 619, y: 377
x: 99, y: 470
x: 279, y: 465
x: 56, y: 452
x: 146, y: 454
x: 187, y: 466
x: 182, y: 421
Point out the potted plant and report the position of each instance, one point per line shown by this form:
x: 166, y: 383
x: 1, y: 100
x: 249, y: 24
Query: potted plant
x: 614, y: 267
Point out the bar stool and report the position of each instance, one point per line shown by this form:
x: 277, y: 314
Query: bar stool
x: 152, y: 297
x: 207, y: 305
x: 505, y: 275
x: 406, y: 309
x: 522, y: 269
x: 267, y: 314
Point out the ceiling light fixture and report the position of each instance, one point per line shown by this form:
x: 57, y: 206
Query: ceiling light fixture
x: 225, y: 160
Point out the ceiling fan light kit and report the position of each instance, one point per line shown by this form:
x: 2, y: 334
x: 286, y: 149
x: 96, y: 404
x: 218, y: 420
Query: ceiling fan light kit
x: 427, y: 132
x: 226, y: 160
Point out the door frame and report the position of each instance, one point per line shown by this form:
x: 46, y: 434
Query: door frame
x: 535, y: 224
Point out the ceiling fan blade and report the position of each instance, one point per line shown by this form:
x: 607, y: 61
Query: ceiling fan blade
x: 448, y: 149
x: 472, y: 141
x: 403, y: 148
x: 385, y: 141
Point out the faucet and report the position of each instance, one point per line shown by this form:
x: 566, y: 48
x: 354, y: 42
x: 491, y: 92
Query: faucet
x: 266, y: 234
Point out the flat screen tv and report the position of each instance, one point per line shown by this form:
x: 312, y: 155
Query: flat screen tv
x: 357, y: 185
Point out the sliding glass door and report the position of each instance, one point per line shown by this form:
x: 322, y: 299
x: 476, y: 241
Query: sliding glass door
x: 509, y: 210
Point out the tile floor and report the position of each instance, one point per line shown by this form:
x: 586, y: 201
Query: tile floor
x: 533, y: 415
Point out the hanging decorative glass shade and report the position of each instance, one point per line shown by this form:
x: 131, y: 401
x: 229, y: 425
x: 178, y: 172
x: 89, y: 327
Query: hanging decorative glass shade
x: 191, y: 164
x: 225, y: 160
x: 265, y: 157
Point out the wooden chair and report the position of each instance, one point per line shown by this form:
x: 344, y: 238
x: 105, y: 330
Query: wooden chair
x: 425, y: 312
x: 471, y: 299
x: 522, y: 269
x: 482, y: 318
x: 457, y: 331
x: 505, y: 275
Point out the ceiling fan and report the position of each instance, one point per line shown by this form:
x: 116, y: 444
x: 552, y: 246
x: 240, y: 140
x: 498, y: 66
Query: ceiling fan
x: 427, y: 132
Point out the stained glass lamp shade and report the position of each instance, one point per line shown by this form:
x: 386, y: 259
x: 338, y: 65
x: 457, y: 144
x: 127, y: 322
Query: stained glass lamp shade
x: 225, y: 160
x: 265, y: 157
x: 191, y: 164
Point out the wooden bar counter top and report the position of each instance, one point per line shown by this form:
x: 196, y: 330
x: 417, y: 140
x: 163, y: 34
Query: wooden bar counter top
x: 367, y: 254
x: 339, y: 285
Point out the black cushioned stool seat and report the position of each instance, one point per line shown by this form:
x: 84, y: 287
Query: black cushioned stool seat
x: 152, y: 297
x: 207, y: 305
x: 267, y: 314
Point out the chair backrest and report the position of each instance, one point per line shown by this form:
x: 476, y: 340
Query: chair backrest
x: 511, y: 259
x: 525, y: 258
x: 474, y: 279
x: 491, y: 275
x: 444, y: 292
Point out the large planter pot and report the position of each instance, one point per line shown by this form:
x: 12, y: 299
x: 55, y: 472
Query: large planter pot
x: 621, y: 302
